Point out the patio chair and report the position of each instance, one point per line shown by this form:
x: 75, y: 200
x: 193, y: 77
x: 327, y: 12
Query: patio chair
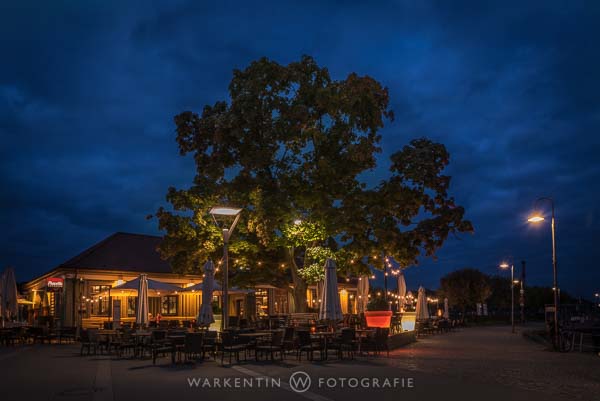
x: 346, y: 342
x: 289, y: 342
x: 157, y: 340
x: 67, y: 334
x: 233, y: 322
x: 377, y: 342
x: 209, y: 343
x: 88, y: 341
x: 231, y: 346
x: 307, y: 345
x: 274, y: 345
x: 193, y: 346
x: 125, y: 341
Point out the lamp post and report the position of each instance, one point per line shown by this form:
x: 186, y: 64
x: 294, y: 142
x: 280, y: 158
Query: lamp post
x: 536, y: 218
x: 597, y: 295
x: 226, y: 212
x: 505, y: 265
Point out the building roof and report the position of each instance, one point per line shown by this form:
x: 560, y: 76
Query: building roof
x: 122, y: 251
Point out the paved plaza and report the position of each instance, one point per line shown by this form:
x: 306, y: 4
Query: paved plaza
x: 472, y: 364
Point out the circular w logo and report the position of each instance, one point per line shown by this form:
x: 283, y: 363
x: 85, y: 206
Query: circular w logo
x: 300, y: 381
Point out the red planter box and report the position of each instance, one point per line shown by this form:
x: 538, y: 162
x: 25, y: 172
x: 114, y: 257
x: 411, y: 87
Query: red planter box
x: 379, y: 318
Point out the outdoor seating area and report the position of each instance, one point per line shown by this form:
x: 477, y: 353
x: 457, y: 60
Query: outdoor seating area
x: 268, y: 339
x: 431, y: 326
x: 182, y: 345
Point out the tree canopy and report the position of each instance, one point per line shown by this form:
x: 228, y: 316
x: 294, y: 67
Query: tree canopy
x: 288, y: 148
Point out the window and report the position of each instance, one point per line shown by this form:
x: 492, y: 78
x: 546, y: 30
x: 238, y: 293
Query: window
x: 169, y: 305
x: 99, y: 300
x: 262, y: 302
x: 131, y: 306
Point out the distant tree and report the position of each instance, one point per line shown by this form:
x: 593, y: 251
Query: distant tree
x: 289, y: 145
x: 500, y: 296
x: 465, y: 288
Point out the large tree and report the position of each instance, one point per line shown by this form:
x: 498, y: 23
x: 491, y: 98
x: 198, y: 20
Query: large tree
x: 465, y: 288
x: 288, y: 148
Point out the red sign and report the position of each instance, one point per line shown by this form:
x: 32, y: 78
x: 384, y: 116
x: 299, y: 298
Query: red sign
x: 55, y: 284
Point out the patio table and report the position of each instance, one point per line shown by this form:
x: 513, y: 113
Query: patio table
x: 362, y: 333
x: 326, y: 336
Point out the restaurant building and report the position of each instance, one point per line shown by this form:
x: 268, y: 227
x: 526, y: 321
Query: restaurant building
x: 81, y: 291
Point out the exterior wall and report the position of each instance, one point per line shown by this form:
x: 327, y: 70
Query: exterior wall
x: 73, y: 304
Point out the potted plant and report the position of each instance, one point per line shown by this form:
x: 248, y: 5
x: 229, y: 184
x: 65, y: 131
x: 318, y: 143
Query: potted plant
x: 378, y: 313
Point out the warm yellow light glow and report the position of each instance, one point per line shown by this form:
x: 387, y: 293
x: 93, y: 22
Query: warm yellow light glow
x: 297, y: 222
x: 225, y: 211
x: 536, y: 218
x: 504, y: 265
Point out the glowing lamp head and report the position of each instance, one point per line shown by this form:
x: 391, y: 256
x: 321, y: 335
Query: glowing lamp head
x: 504, y: 265
x: 535, y: 218
x: 225, y: 211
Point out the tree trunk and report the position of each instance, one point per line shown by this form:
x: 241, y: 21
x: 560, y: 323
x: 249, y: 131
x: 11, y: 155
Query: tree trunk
x: 299, y: 284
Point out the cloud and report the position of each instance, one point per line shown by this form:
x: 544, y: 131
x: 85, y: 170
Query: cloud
x: 88, y: 97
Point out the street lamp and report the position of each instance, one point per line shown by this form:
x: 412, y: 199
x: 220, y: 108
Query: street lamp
x: 226, y: 212
x: 536, y: 218
x: 505, y: 265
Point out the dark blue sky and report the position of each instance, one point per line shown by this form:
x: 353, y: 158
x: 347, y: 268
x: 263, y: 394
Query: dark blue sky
x: 88, y: 91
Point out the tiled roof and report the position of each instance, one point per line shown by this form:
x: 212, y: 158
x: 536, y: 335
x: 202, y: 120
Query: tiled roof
x: 122, y: 251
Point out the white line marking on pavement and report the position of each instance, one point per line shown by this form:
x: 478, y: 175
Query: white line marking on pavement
x: 307, y: 394
x: 103, y: 382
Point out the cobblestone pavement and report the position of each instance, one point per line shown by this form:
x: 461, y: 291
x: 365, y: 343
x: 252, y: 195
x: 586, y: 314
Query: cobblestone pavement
x: 494, y: 355
x: 472, y: 364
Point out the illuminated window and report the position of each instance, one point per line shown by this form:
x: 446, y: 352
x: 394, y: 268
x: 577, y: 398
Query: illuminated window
x: 169, y: 305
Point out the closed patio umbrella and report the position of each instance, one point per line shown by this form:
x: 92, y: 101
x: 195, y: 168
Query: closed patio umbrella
x: 363, y: 293
x: 205, y: 314
x: 141, y: 313
x: 320, y: 286
x: 331, y: 308
x: 422, y: 309
x: 401, y: 288
x: 10, y: 306
x: 446, y: 309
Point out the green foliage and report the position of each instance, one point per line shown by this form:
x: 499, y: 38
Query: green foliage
x: 292, y: 142
x: 377, y: 303
x: 409, y: 213
x: 465, y: 288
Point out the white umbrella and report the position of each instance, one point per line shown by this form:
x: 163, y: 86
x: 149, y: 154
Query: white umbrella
x: 331, y: 308
x: 363, y: 293
x: 205, y: 314
x: 446, y: 309
x: 422, y: 309
x: 141, y: 313
x: 10, y: 306
x: 401, y: 288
